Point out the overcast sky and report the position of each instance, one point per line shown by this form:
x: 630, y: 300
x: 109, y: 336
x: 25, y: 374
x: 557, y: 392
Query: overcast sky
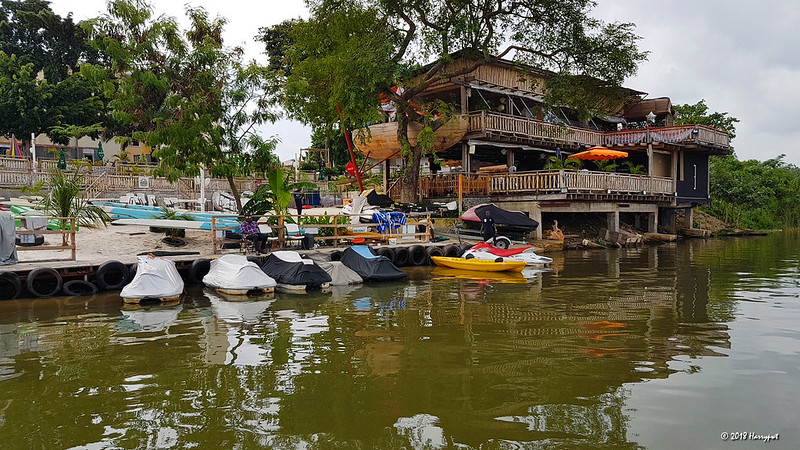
x: 742, y: 57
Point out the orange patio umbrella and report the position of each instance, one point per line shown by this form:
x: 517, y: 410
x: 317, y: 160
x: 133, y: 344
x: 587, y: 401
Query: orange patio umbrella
x: 599, y: 153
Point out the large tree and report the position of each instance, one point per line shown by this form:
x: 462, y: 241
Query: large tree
x: 352, y: 53
x: 40, y: 88
x: 193, y: 100
x: 698, y: 114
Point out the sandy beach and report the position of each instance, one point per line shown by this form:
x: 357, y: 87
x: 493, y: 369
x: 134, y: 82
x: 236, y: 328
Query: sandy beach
x: 124, y: 242
x: 121, y: 243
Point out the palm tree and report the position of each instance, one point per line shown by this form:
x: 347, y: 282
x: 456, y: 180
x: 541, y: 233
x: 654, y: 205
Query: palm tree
x: 555, y: 163
x: 605, y: 165
x: 65, y: 199
x: 635, y: 169
x: 275, y: 195
x: 173, y: 235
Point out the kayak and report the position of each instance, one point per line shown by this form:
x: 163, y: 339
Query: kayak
x: 478, y: 264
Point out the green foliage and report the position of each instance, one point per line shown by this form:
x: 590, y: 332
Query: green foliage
x: 754, y: 194
x: 275, y: 195
x: 697, y: 114
x: 170, y: 214
x: 186, y: 95
x: 635, y: 169
x: 65, y: 199
x: 34, y: 41
x: 605, y: 165
x: 351, y: 53
x: 325, y: 219
x: 555, y: 163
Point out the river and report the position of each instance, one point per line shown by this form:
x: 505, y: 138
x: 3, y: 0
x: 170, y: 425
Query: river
x: 687, y: 345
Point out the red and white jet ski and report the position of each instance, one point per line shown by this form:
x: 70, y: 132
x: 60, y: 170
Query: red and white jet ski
x: 485, y: 251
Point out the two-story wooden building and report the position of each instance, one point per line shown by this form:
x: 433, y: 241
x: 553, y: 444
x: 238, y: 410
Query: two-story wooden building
x: 501, y: 123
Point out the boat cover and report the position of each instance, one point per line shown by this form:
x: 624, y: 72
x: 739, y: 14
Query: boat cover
x: 288, y: 267
x: 236, y: 272
x: 517, y: 219
x: 341, y: 275
x: 155, y: 278
x: 370, y: 267
x: 379, y: 200
x: 8, y: 247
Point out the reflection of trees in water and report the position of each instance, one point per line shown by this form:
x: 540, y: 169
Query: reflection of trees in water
x: 544, y: 361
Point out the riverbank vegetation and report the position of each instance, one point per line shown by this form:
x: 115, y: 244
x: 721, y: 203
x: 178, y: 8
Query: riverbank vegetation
x: 759, y: 195
x: 755, y: 194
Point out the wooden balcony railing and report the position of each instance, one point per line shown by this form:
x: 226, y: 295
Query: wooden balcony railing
x: 684, y: 134
x: 528, y: 129
x: 540, y: 183
x: 517, y: 128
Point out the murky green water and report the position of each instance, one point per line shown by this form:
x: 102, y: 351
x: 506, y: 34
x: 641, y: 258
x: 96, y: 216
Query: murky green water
x: 658, y: 347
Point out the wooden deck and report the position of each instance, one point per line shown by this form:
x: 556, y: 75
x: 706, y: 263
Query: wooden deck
x: 542, y: 183
x: 508, y: 128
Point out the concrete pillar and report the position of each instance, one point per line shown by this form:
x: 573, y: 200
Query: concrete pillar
x: 652, y: 222
x: 612, y: 221
x: 689, y: 222
x: 536, y: 214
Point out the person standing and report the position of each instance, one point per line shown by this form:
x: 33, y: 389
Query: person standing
x: 298, y: 202
x: 488, y: 227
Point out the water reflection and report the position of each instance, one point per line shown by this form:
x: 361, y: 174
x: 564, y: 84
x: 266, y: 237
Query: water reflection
x: 434, y: 362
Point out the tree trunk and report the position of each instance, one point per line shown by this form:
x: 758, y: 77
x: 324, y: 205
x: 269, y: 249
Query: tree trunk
x: 235, y: 192
x: 410, y: 188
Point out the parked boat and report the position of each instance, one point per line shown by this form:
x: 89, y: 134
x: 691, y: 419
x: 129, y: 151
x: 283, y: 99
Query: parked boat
x: 156, y: 278
x: 478, y: 264
x: 487, y: 252
x: 293, y: 273
x: 369, y: 266
x: 235, y: 275
x: 382, y: 142
x: 146, y: 215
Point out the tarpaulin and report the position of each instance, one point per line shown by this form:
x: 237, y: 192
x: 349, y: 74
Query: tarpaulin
x: 288, y: 267
x: 236, y: 272
x: 369, y: 266
x: 8, y: 247
x: 341, y: 275
x: 155, y: 278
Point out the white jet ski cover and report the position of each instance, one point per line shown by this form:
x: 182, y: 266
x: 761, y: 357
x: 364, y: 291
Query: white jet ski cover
x: 236, y: 272
x: 155, y: 278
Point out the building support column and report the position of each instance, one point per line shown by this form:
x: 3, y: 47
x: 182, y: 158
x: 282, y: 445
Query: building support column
x: 649, y: 159
x: 536, y: 214
x: 652, y: 222
x: 612, y: 221
x: 688, y: 219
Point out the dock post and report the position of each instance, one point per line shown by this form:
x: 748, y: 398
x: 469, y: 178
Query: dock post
x: 335, y: 231
x: 214, y: 235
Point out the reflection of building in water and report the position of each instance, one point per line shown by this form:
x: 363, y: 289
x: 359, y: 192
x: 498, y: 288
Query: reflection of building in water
x: 541, y: 362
